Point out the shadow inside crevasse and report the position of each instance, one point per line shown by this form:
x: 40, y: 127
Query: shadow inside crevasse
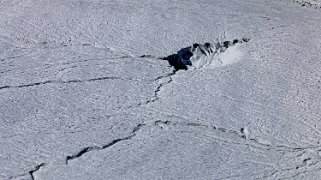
x: 183, y: 58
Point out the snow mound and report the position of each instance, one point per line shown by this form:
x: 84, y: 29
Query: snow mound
x: 231, y: 56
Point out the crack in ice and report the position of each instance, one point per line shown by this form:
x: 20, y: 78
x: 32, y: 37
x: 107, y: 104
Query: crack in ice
x: 155, y: 97
x: 99, y: 148
x: 30, y: 173
x: 35, y: 170
x: 57, y: 82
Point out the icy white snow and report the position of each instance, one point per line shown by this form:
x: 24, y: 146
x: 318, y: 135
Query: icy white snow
x: 85, y: 94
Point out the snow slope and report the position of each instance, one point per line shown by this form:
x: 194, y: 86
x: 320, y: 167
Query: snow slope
x: 84, y: 93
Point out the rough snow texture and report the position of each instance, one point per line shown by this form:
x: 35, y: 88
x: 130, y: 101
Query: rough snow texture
x: 306, y: 3
x: 85, y: 94
x: 309, y: 2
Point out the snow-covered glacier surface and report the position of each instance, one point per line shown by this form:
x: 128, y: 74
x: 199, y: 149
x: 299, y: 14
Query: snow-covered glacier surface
x: 87, y: 90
